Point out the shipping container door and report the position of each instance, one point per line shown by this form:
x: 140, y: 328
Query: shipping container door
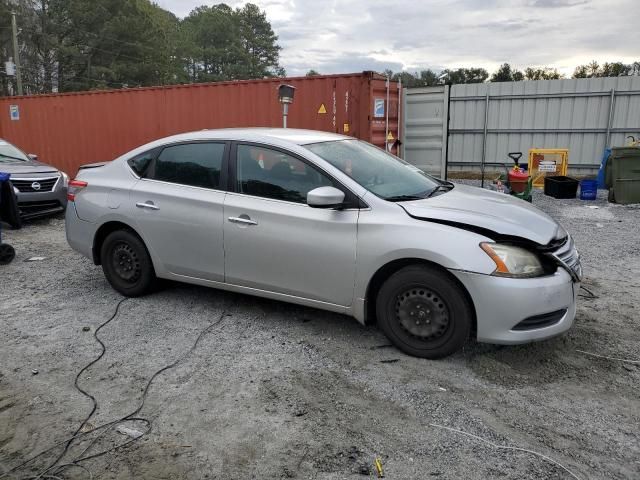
x: 424, y: 141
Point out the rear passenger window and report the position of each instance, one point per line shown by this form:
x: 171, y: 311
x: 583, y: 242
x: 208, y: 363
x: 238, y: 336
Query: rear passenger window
x: 140, y: 163
x: 194, y: 164
x: 272, y: 174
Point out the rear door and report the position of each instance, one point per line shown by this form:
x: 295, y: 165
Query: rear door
x: 179, y: 206
x: 274, y: 241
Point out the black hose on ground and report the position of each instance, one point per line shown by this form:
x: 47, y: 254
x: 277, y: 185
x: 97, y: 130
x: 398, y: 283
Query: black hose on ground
x: 54, y: 468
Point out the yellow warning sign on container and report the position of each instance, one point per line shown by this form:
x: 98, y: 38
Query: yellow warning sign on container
x: 345, y: 128
x: 390, y: 137
x: 322, y: 108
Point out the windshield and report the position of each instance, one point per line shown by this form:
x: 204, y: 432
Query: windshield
x: 376, y: 170
x: 9, y: 154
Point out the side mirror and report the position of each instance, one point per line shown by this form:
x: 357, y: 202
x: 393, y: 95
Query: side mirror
x: 325, y: 197
x: 33, y: 156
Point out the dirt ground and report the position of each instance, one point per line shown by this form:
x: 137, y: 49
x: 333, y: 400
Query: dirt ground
x: 280, y: 391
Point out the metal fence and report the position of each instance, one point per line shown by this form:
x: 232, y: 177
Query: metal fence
x: 488, y: 120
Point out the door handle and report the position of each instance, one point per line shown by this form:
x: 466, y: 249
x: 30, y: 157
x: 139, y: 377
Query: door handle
x: 150, y: 206
x: 242, y: 220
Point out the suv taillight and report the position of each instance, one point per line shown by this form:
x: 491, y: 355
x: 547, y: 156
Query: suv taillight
x: 74, y: 187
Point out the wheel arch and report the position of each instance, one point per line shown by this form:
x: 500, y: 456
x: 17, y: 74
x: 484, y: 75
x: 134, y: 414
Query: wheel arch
x: 388, y: 269
x: 104, y: 230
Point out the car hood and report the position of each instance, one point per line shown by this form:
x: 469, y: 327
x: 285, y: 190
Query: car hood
x: 27, y: 167
x: 485, y: 210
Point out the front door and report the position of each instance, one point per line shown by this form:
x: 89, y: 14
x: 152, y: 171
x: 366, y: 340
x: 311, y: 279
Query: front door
x: 274, y: 241
x: 179, y: 209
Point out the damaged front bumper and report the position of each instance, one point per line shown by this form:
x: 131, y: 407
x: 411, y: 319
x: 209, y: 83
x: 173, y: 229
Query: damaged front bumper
x: 520, y: 310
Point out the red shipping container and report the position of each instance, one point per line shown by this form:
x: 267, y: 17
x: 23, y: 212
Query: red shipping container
x: 69, y: 130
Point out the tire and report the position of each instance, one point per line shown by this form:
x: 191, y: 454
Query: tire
x: 126, y: 264
x: 7, y: 254
x: 424, y: 312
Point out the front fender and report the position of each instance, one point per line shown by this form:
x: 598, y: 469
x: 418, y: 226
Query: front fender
x: 386, y: 238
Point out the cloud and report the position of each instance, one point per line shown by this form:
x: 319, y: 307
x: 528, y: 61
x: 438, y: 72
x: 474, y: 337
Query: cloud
x: 558, y: 3
x: 337, y: 36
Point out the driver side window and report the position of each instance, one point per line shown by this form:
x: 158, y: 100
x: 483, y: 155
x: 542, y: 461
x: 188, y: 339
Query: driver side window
x: 268, y: 173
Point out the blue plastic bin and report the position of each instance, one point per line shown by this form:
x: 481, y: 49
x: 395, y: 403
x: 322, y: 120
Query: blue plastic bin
x: 588, y: 189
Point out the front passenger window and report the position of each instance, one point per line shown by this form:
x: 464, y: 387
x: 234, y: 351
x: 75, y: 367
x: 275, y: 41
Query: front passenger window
x: 194, y: 164
x: 268, y: 173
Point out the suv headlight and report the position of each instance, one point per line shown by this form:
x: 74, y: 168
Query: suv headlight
x: 512, y: 261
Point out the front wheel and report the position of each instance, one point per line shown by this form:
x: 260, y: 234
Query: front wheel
x: 127, y: 264
x: 424, y: 312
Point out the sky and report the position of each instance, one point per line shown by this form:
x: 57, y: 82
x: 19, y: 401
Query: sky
x: 337, y: 36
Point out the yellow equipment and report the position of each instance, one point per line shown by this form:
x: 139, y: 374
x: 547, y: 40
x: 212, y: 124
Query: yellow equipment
x: 545, y: 161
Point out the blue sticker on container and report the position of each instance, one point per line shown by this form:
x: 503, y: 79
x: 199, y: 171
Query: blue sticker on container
x: 14, y: 112
x: 378, y: 107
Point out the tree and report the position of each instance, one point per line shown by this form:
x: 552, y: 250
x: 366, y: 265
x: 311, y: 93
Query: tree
x: 466, y: 75
x: 312, y: 73
x: 613, y: 69
x: 424, y: 78
x: 429, y: 78
x: 259, y: 43
x: 587, y: 71
x: 213, y: 44
x: 506, y: 74
x: 7, y: 84
x: 535, y: 73
x: 70, y: 45
x: 219, y: 43
x: 115, y: 43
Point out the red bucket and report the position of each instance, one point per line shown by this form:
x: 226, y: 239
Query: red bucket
x: 518, y: 180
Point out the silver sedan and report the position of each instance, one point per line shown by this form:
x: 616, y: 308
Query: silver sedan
x: 332, y: 222
x: 40, y: 188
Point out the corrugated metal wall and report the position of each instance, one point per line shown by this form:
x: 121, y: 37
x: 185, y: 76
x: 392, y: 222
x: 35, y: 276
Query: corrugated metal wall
x: 73, y: 129
x: 574, y: 114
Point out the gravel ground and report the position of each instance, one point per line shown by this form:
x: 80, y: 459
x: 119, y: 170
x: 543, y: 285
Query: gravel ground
x: 280, y: 391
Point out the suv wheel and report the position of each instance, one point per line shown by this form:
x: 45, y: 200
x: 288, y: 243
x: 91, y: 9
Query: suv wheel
x: 424, y: 312
x: 127, y: 264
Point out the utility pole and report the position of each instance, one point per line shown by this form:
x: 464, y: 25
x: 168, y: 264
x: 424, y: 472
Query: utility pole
x: 16, y: 53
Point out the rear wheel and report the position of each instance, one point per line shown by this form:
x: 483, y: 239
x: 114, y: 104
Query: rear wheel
x: 424, y: 312
x: 127, y: 264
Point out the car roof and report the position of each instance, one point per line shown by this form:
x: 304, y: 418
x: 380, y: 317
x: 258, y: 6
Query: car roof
x: 265, y: 135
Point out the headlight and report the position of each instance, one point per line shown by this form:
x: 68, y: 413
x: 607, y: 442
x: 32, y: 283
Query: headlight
x: 561, y: 232
x: 512, y: 261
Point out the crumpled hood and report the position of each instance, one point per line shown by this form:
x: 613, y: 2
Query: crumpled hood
x: 20, y: 168
x: 485, y: 209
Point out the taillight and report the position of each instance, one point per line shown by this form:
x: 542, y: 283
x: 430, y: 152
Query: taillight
x: 74, y: 187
